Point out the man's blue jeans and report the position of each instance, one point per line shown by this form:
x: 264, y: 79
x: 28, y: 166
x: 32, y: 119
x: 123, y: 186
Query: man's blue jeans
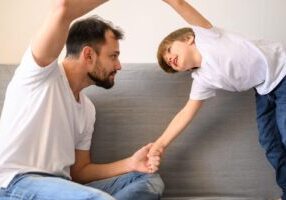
x: 271, y: 120
x: 38, y: 186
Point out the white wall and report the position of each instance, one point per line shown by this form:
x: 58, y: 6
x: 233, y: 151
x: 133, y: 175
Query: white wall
x: 145, y: 23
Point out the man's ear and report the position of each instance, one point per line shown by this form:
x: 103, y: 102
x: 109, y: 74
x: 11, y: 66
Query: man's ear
x: 88, y: 55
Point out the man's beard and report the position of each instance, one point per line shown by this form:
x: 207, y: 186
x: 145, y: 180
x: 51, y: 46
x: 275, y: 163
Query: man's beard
x: 105, y: 83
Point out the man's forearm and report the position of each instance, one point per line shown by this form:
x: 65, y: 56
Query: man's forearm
x: 92, y: 172
x: 50, y: 39
x: 77, y: 8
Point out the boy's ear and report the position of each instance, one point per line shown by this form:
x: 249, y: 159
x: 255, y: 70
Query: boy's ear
x: 191, y: 40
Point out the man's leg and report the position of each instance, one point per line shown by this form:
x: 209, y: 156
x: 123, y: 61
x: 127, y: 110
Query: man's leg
x: 132, y: 186
x: 44, y: 187
x: 270, y: 138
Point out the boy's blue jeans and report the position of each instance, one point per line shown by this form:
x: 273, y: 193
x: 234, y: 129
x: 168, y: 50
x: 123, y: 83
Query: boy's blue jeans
x: 39, y: 186
x: 271, y: 120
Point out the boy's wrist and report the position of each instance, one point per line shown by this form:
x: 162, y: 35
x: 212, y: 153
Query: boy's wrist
x: 162, y: 143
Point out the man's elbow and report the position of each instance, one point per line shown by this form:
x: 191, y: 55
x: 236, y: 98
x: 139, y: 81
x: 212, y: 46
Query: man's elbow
x: 63, y: 8
x: 77, y: 177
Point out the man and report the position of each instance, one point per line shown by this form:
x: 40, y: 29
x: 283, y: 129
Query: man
x: 47, y: 122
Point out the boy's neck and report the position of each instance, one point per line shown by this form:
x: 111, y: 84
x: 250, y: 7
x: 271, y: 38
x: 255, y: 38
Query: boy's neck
x: 196, y: 56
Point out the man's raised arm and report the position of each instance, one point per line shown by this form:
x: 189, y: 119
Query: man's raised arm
x: 50, y: 39
x: 189, y: 13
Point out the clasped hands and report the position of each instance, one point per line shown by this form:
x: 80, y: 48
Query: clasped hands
x: 147, y: 159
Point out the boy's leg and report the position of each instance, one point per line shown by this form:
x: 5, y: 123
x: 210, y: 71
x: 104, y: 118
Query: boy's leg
x: 43, y: 187
x: 132, y: 186
x: 280, y: 99
x: 270, y: 136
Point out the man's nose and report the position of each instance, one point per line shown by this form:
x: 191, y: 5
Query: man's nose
x: 118, y: 65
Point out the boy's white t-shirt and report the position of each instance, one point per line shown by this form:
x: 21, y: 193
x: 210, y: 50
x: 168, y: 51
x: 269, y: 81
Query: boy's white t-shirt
x: 233, y: 63
x: 41, y: 123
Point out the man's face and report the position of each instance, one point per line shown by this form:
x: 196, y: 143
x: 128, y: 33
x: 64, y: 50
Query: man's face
x: 107, y: 63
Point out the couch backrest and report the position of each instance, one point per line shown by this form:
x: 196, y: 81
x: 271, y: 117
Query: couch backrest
x: 218, y: 155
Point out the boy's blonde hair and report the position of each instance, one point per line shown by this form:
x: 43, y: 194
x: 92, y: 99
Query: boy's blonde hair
x: 181, y: 34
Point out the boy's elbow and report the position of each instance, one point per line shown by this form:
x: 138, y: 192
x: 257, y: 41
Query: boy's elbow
x: 208, y: 25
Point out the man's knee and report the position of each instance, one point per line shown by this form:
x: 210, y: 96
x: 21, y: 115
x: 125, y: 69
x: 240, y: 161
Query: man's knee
x: 92, y: 194
x: 155, y: 183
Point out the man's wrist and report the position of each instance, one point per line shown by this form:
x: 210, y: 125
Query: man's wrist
x: 130, y: 164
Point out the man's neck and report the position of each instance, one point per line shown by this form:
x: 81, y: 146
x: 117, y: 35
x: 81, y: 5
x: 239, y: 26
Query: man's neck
x: 76, y: 76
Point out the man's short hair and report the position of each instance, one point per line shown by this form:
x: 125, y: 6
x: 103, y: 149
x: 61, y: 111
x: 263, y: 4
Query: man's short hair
x: 181, y: 34
x: 89, y: 32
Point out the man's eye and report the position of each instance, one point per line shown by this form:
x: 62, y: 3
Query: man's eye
x: 113, y: 56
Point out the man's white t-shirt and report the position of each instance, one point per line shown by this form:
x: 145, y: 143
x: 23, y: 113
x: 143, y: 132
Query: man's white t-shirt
x: 233, y: 63
x: 42, y: 123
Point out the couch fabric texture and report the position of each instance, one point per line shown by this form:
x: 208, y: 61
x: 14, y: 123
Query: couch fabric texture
x: 216, y: 158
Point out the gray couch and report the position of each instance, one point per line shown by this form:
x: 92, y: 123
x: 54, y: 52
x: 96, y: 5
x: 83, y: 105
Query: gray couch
x: 217, y: 157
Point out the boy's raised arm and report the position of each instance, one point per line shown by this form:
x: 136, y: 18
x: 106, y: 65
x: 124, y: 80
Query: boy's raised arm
x: 189, y: 13
x: 50, y: 39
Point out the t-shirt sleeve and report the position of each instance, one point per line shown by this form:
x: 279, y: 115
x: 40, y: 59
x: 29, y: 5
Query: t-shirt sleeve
x: 29, y: 69
x: 84, y: 140
x: 200, y: 92
x: 204, y: 33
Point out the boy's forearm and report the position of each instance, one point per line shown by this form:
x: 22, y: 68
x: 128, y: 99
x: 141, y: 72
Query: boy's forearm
x: 189, y: 13
x: 176, y: 126
x: 180, y: 122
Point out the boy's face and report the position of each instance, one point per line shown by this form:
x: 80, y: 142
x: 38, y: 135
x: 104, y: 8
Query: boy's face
x: 180, y: 55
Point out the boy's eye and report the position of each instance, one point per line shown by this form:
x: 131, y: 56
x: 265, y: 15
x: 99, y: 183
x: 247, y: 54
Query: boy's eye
x: 169, y: 49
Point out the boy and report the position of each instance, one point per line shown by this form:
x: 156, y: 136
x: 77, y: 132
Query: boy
x: 222, y: 60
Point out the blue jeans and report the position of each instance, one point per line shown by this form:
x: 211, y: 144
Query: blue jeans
x: 271, y: 120
x: 39, y: 186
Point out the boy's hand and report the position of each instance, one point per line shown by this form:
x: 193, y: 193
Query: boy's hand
x: 154, y: 157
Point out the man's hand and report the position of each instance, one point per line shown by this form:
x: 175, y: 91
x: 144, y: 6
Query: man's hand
x: 141, y: 163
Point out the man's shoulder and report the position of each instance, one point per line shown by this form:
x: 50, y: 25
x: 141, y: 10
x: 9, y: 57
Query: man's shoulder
x: 87, y: 102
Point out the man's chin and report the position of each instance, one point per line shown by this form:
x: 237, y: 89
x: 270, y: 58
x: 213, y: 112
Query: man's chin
x: 105, y: 85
